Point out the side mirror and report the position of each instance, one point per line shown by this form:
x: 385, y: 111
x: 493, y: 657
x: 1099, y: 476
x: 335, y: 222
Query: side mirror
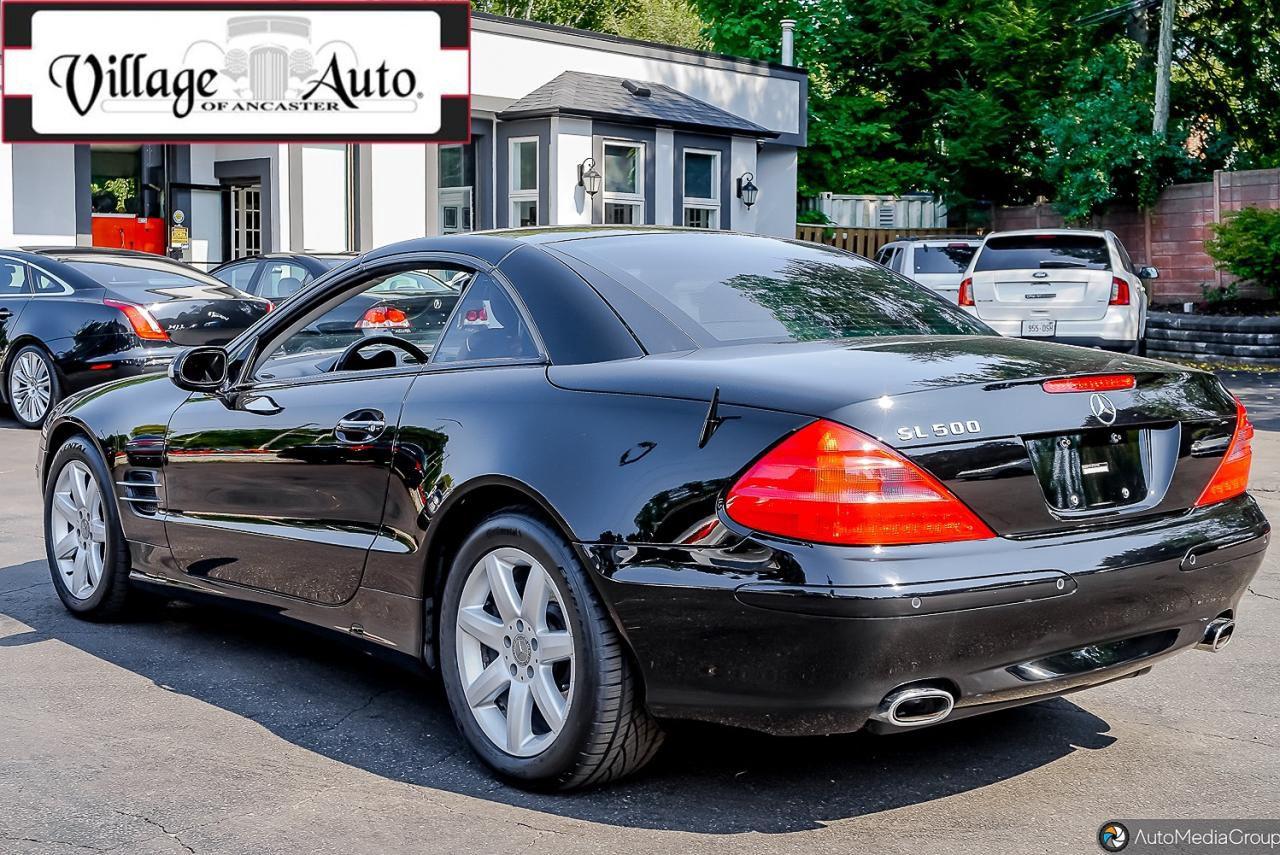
x: 199, y: 369
x: 1148, y: 273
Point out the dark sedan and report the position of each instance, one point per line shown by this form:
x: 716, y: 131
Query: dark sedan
x: 73, y: 317
x: 639, y: 475
x: 278, y: 275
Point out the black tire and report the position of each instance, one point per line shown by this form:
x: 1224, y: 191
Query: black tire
x: 607, y: 732
x: 55, y: 388
x: 113, y: 598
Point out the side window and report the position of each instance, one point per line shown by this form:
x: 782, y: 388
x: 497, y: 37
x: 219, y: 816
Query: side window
x: 238, y: 275
x: 487, y: 325
x: 13, y: 278
x: 1125, y: 261
x: 282, y: 279
x: 42, y: 283
x: 413, y: 305
x: 895, y: 262
x: 882, y: 255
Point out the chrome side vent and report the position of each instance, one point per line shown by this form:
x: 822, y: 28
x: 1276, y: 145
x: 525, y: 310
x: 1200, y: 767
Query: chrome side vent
x: 141, y: 489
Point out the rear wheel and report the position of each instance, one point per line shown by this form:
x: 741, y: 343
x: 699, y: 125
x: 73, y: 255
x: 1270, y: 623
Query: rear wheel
x: 535, y: 673
x: 88, y: 556
x: 32, y: 386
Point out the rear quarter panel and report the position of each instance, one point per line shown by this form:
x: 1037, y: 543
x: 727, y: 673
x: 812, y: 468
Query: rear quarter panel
x: 610, y: 468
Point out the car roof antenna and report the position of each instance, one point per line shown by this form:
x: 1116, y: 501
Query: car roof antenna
x: 713, y: 420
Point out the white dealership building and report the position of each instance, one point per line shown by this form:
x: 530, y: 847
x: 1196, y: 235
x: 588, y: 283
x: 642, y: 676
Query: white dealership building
x: 672, y: 135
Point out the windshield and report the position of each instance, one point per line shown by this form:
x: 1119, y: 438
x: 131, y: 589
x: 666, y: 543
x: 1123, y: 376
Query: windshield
x: 726, y: 288
x: 1044, y: 252
x: 952, y: 258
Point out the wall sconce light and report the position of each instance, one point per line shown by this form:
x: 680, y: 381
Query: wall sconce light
x: 747, y: 191
x: 588, y: 177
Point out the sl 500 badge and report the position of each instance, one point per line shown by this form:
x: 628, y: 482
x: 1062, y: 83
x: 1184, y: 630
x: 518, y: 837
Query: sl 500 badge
x: 939, y: 429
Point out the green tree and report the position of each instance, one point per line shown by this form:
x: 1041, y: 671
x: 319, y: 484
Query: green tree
x: 671, y: 22
x: 916, y: 95
x: 1098, y: 144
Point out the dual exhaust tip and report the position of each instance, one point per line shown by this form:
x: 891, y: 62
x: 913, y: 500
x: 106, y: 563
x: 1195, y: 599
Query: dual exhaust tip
x: 917, y: 706
x: 1217, y: 634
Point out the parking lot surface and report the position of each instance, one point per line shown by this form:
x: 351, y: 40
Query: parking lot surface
x: 201, y: 730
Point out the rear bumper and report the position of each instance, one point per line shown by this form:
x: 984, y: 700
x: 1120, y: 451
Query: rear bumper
x: 808, y: 640
x: 1117, y: 329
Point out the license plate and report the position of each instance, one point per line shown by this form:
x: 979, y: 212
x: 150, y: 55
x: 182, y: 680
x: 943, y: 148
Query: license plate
x: 1039, y: 328
x: 1092, y: 469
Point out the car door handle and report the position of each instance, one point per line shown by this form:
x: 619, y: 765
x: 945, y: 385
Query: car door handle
x: 360, y: 426
x: 5, y: 314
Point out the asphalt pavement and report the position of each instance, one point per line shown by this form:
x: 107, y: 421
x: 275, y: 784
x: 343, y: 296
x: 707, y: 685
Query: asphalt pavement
x: 200, y: 730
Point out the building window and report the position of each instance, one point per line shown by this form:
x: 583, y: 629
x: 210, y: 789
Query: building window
x: 456, y: 174
x: 702, y: 189
x: 523, y: 192
x: 623, y: 183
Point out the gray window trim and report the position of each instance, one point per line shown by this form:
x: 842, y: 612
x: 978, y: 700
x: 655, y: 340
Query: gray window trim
x: 602, y: 131
x: 540, y: 128
x: 704, y: 142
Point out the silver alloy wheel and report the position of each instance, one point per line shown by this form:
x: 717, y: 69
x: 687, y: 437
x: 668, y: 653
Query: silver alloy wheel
x: 30, y: 386
x: 78, y: 529
x: 515, y: 652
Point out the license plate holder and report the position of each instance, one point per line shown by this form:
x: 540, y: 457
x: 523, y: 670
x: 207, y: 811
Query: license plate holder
x: 1090, y: 470
x: 1039, y: 329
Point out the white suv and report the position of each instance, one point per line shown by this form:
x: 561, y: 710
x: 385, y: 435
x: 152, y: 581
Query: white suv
x: 1070, y: 285
x: 938, y: 263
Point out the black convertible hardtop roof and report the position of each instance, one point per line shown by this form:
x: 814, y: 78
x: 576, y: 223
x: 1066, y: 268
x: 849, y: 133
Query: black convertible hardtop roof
x: 492, y: 246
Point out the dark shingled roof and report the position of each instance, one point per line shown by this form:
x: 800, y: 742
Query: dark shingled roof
x: 575, y: 93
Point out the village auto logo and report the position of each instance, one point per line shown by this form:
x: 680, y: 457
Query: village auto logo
x: 342, y: 71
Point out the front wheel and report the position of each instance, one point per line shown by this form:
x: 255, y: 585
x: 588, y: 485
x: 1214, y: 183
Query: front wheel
x: 535, y: 673
x: 88, y: 556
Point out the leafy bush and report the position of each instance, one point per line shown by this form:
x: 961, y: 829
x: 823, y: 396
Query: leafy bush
x: 813, y: 217
x: 1248, y: 246
x: 1215, y: 295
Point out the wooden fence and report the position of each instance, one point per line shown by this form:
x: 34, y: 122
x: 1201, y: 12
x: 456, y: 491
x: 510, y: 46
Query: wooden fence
x: 864, y: 242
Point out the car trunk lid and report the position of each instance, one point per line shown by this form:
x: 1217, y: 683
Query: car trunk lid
x: 1053, y: 294
x: 197, y: 315
x: 972, y: 410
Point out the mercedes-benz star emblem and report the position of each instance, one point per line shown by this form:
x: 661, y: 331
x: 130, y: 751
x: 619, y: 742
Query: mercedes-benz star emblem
x: 1103, y: 410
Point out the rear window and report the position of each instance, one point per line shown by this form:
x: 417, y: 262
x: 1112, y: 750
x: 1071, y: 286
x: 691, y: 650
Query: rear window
x: 725, y: 289
x: 126, y: 274
x: 1043, y: 252
x: 952, y: 258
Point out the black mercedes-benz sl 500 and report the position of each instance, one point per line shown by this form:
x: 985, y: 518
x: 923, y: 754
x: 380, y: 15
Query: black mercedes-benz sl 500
x: 636, y: 475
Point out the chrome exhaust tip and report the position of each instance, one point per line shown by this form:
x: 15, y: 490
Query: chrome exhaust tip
x: 1217, y: 634
x: 915, y: 706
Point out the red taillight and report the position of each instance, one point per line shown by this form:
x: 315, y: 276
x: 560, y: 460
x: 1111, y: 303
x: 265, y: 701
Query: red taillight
x: 1092, y: 383
x: 383, y: 318
x: 827, y: 483
x: 475, y: 316
x: 1119, y: 292
x: 143, y: 323
x: 966, y: 292
x: 1232, y: 477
